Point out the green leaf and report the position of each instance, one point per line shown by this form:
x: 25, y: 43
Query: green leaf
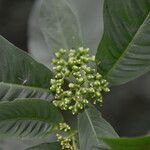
x: 18, y: 71
x: 91, y: 125
x: 142, y: 143
x: 46, y: 146
x: 59, y: 25
x: 18, y: 67
x: 92, y: 20
x: 124, y: 51
x: 10, y: 92
x: 28, y: 118
x: 37, y: 45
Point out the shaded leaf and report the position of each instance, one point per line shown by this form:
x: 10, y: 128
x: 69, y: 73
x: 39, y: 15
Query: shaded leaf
x: 28, y: 118
x: 92, y: 20
x: 91, y: 125
x: 46, y: 146
x: 38, y: 47
x: 59, y: 25
x: 142, y: 143
x: 18, y: 67
x: 18, y: 71
x: 124, y: 50
x: 10, y: 92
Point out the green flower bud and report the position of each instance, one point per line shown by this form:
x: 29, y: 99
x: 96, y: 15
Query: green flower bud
x: 92, y: 58
x: 71, y: 62
x: 59, y: 75
x: 68, y: 93
x: 83, y: 90
x: 89, y: 77
x: 80, y: 80
x: 58, y: 68
x: 96, y: 83
x: 107, y: 89
x: 75, y: 68
x: 103, y: 81
x: 79, y: 105
x: 71, y: 85
x: 54, y: 61
x: 61, y: 62
x: 91, y: 90
x: 85, y: 101
x: 97, y: 94
x: 78, y: 93
x: 65, y: 142
x: 53, y: 81
x: 63, y: 126
x: 58, y: 55
x: 98, y: 76
x: 62, y: 51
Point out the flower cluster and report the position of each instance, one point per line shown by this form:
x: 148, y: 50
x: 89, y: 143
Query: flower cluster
x: 85, y: 83
x: 64, y: 127
x: 65, y: 141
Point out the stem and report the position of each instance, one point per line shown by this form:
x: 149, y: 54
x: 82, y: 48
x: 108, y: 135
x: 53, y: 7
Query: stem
x: 74, y: 143
x: 74, y: 133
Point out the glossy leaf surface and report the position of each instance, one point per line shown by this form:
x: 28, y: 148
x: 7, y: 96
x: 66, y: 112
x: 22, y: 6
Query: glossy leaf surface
x: 124, y: 51
x: 142, y: 143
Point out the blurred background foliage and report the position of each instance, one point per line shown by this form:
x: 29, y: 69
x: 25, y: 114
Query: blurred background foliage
x: 14, y: 20
x: 126, y: 107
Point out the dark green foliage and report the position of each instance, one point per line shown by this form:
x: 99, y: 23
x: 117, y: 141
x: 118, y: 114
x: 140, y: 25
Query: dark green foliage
x: 142, y: 143
x: 91, y: 125
x: 124, y: 51
x: 46, y: 146
x: 28, y: 118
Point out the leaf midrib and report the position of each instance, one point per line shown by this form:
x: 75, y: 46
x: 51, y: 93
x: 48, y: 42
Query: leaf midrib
x: 122, y: 55
x: 88, y: 117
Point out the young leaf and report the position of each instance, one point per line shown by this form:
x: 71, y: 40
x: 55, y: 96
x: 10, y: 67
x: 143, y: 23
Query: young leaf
x: 123, y: 53
x: 18, y: 67
x: 142, y: 143
x: 10, y: 92
x: 92, y: 20
x: 55, y: 25
x: 91, y: 125
x: 46, y: 146
x: 59, y: 25
x: 28, y: 118
x: 37, y: 45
